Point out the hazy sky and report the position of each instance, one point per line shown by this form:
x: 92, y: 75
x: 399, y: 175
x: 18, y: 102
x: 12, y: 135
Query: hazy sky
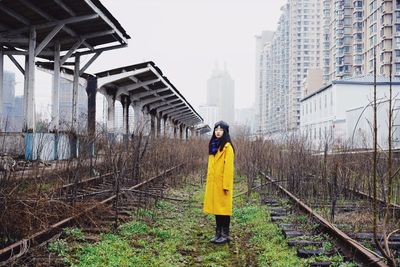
x: 185, y: 38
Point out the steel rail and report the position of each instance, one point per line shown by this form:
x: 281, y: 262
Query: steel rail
x: 19, y: 248
x: 357, y: 251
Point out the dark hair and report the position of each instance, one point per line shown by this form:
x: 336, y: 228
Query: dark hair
x: 226, y: 138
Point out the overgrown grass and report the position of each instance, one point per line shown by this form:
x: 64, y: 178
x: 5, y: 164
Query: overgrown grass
x: 178, y: 234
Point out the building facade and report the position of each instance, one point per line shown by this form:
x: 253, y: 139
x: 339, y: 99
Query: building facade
x: 65, y: 104
x: 358, y: 29
x: 272, y: 83
x: 7, y: 112
x: 221, y: 94
x: 333, y: 114
x: 261, y: 41
x: 305, y: 39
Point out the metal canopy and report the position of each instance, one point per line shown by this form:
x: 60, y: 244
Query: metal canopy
x: 146, y: 87
x: 55, y: 30
x: 76, y: 24
x: 203, y: 128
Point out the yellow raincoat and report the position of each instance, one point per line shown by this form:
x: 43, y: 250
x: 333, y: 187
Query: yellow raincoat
x: 220, y: 177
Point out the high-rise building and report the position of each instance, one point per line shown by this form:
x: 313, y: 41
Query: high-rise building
x: 276, y: 77
x: 357, y: 29
x: 326, y: 12
x: 261, y: 41
x: 18, y: 112
x: 65, y: 104
x: 341, y: 40
x: 7, y: 119
x: 305, y: 39
x: 221, y: 94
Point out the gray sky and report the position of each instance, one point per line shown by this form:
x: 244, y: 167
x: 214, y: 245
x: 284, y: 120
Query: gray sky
x: 185, y: 38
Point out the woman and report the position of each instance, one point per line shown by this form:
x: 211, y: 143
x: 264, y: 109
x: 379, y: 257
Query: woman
x: 219, y: 186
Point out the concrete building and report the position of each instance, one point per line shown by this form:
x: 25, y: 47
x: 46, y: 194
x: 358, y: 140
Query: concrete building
x: 341, y: 38
x: 221, y: 94
x: 65, y: 104
x: 306, y: 28
x: 272, y: 78
x: 328, y: 113
x: 356, y: 29
x: 7, y: 115
x: 18, y: 113
x: 358, y: 122
x: 261, y: 41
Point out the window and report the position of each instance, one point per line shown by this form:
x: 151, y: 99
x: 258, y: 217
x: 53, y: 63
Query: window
x: 397, y: 66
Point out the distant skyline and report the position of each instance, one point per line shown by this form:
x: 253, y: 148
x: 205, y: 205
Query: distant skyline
x: 185, y: 38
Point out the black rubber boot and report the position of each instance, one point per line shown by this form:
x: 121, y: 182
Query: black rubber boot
x: 217, y: 234
x: 224, y: 238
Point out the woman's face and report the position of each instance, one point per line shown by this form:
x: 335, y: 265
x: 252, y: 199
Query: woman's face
x: 219, y: 132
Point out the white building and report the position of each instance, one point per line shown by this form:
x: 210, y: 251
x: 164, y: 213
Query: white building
x: 360, y: 121
x: 328, y: 114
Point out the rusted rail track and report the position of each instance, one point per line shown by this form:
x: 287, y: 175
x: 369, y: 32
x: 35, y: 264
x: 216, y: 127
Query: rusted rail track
x: 19, y: 248
x: 350, y: 246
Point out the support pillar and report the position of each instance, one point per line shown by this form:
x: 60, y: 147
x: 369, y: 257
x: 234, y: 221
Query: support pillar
x: 192, y: 132
x: 1, y: 88
x: 125, y: 115
x: 138, y: 117
x: 74, y: 125
x: 165, y: 130
x: 181, y: 131
x: 175, y: 130
x: 111, y: 114
x: 152, y: 125
x: 29, y: 86
x: 91, y: 90
x: 187, y: 133
x: 55, y: 111
x: 158, y: 126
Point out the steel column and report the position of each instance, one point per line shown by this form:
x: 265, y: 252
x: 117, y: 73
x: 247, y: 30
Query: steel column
x: 138, y: 117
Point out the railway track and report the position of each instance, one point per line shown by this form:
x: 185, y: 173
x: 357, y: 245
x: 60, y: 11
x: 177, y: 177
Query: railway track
x: 351, y: 240
x: 107, y: 208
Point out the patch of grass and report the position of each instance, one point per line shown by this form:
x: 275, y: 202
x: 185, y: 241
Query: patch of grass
x: 110, y: 251
x: 178, y: 234
x: 133, y: 228
x: 75, y: 233
x: 145, y: 213
x: 60, y: 247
